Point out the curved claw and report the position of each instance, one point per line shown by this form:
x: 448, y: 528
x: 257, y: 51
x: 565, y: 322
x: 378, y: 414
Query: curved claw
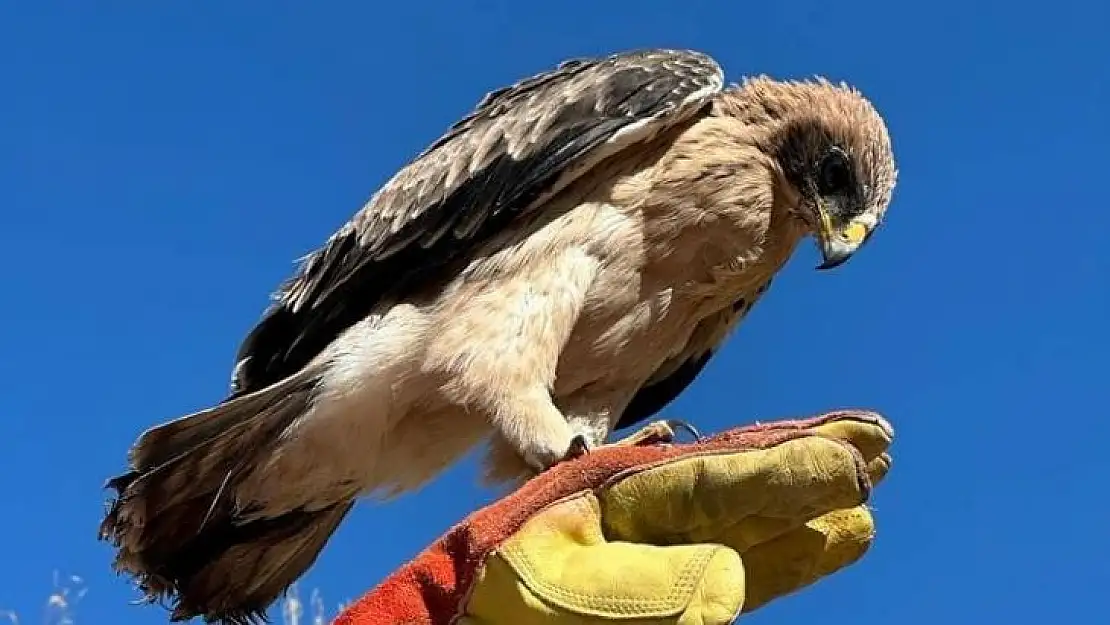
x: 578, y: 447
x: 678, y: 424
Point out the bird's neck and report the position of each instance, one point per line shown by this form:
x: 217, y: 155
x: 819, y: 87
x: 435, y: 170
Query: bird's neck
x: 717, y: 186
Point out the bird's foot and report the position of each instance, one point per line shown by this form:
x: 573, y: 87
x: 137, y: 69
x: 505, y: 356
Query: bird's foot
x: 658, y: 432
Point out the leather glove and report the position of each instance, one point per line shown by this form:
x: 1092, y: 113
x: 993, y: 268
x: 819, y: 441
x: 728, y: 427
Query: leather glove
x: 661, y: 533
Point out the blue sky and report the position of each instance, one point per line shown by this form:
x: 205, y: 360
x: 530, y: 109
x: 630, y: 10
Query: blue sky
x: 162, y: 167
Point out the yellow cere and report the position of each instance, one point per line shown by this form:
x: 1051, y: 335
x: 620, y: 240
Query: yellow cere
x: 854, y: 233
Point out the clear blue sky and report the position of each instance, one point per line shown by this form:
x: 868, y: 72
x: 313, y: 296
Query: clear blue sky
x: 161, y: 168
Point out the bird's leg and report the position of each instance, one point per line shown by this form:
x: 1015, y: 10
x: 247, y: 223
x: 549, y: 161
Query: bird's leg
x: 532, y: 426
x: 504, y: 345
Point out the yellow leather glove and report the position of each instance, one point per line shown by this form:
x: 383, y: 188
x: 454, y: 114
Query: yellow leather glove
x: 690, y: 533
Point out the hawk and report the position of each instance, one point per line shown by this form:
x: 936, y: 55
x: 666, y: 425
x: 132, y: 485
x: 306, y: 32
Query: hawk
x: 560, y: 264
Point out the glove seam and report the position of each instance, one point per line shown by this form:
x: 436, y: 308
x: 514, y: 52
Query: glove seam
x: 673, y: 602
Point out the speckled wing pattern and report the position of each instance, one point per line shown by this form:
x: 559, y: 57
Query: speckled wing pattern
x: 519, y: 145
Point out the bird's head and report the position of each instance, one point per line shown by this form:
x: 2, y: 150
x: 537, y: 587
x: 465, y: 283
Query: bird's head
x: 834, y: 151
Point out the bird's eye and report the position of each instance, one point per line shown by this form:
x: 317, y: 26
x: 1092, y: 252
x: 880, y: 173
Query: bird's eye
x: 834, y: 175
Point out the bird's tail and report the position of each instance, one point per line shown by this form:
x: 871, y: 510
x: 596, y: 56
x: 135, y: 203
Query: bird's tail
x: 175, y: 522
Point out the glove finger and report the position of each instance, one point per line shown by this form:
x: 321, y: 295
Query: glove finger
x: 878, y: 467
x: 696, y: 497
x: 755, y: 530
x: 871, y: 437
x: 802, y: 556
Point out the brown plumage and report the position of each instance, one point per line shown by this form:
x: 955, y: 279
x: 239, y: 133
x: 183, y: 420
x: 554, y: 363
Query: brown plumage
x: 562, y: 263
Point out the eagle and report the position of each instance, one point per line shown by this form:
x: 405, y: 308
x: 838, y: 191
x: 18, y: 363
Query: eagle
x: 560, y: 264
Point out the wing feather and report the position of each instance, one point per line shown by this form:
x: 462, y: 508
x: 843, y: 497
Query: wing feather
x: 520, y: 145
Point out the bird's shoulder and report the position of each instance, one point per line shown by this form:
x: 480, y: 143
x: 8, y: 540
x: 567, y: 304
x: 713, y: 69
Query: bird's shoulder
x: 517, y: 147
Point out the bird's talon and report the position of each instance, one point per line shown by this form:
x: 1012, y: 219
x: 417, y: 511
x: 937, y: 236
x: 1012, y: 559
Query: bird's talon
x: 678, y: 424
x: 577, y: 448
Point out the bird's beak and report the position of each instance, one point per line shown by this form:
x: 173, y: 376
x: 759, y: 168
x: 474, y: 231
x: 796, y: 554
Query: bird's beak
x: 839, y: 243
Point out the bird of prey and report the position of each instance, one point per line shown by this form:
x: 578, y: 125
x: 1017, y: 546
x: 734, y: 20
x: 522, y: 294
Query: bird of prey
x: 559, y: 265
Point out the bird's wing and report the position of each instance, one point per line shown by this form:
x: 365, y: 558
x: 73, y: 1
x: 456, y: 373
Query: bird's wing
x: 679, y: 372
x: 520, y: 145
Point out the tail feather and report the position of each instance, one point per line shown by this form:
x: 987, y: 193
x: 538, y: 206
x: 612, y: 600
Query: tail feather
x: 162, y: 443
x: 179, y: 532
x: 250, y: 566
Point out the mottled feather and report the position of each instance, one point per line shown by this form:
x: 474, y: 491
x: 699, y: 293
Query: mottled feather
x: 520, y: 145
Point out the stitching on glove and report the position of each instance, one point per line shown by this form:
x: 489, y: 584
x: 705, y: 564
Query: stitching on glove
x: 673, y: 602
